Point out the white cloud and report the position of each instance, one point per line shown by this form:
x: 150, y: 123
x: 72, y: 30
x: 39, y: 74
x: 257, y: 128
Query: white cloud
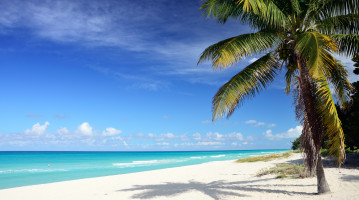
x: 117, y: 24
x: 245, y: 143
x: 256, y: 123
x: 250, y: 121
x: 196, y: 136
x: 163, y: 144
x: 88, y: 141
x: 271, y: 125
x: 62, y: 131
x: 37, y: 129
x: 207, y: 122
x: 268, y: 133
x: 259, y: 124
x: 291, y: 133
x: 166, y: 136
x: 124, y: 143
x: 209, y: 143
x: 253, y: 60
x: 234, y: 136
x: 249, y: 138
x: 85, y: 129
x: 214, y: 136
x: 111, y: 132
x: 59, y: 116
x: 31, y: 115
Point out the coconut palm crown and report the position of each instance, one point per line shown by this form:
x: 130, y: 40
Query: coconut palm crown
x: 299, y: 37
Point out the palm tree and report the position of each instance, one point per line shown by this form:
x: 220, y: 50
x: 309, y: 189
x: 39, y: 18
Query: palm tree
x: 298, y: 37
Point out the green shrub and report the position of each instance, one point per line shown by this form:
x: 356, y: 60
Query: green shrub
x: 324, y: 152
x: 296, y: 143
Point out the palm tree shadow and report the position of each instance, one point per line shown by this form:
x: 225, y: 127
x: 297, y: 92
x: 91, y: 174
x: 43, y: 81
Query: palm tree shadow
x: 214, y: 189
x: 350, y: 178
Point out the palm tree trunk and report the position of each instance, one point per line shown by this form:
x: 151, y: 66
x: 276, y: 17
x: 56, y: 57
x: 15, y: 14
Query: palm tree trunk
x: 313, y: 126
x: 322, y: 184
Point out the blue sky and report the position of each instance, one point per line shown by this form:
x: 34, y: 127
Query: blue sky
x: 122, y: 76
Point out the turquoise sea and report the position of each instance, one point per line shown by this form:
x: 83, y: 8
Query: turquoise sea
x: 30, y: 168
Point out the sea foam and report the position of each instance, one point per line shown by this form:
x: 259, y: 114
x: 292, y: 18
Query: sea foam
x: 145, y: 163
x: 30, y: 170
x: 218, y: 156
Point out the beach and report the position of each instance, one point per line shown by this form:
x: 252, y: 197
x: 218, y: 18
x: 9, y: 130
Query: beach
x: 213, y: 180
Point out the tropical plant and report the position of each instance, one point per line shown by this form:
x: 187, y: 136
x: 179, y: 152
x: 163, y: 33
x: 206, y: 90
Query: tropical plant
x: 296, y: 143
x: 298, y: 37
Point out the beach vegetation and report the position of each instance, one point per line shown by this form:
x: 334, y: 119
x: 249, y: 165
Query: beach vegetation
x: 286, y: 170
x: 298, y: 38
x: 265, y: 158
x: 324, y: 152
x: 296, y: 143
x: 353, y: 149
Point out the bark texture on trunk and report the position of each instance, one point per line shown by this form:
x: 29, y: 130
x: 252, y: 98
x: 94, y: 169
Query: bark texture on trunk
x: 312, y: 126
x: 322, y: 184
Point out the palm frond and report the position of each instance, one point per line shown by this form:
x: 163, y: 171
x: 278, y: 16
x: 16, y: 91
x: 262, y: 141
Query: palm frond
x: 251, y: 5
x: 337, y: 75
x: 330, y: 8
x: 229, y: 51
x: 258, y: 14
x: 295, y: 7
x: 332, y: 124
x: 244, y: 85
x: 314, y: 48
x: 274, y: 15
x: 348, y: 44
x: 343, y: 24
x: 342, y: 86
x: 289, y: 76
x: 222, y: 10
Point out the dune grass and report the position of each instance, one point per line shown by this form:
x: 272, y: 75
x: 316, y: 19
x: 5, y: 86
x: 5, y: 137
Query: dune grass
x: 285, y: 170
x: 265, y: 158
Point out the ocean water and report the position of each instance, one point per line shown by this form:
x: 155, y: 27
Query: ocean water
x: 31, y: 168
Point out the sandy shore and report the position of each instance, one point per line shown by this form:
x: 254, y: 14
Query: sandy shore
x: 215, y: 180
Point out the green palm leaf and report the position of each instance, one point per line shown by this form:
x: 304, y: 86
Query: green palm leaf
x: 304, y: 34
x: 337, y: 75
x: 222, y: 10
x: 229, y: 51
x: 258, y: 13
x: 289, y: 75
x: 314, y: 48
x: 245, y: 84
x: 348, y: 44
x: 295, y: 6
x: 330, y: 8
x: 330, y: 119
x: 343, y: 24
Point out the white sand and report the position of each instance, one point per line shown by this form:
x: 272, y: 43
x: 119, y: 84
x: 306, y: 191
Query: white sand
x: 215, y: 180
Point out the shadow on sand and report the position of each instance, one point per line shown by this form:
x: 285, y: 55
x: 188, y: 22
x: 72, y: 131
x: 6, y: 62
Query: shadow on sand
x: 350, y: 178
x: 214, y: 190
x: 351, y: 162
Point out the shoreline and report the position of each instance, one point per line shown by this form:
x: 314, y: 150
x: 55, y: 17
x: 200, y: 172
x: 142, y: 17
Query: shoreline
x: 79, y: 165
x: 233, y: 160
x: 212, y: 180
